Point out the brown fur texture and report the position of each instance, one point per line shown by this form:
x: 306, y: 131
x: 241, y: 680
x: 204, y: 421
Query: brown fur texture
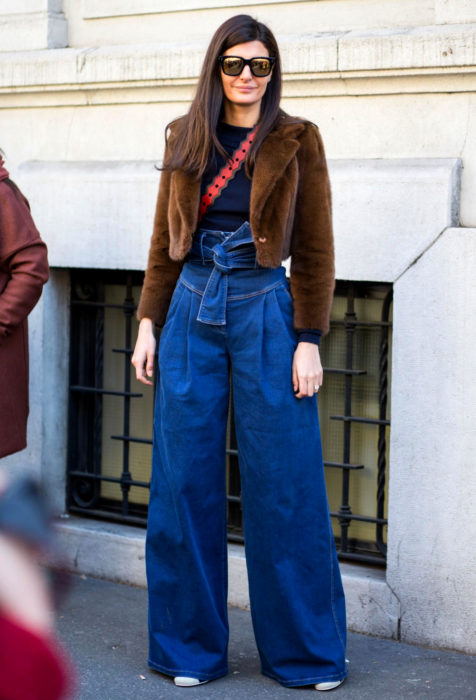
x: 290, y: 214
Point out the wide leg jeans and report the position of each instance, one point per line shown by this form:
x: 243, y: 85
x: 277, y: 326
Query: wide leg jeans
x: 296, y: 594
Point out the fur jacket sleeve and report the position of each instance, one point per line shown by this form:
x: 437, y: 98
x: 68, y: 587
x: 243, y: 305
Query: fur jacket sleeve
x: 312, y: 242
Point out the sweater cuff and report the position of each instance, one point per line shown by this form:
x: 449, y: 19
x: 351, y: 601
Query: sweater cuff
x: 309, y: 335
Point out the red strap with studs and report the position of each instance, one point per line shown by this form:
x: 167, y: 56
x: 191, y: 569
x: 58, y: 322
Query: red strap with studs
x: 226, y: 174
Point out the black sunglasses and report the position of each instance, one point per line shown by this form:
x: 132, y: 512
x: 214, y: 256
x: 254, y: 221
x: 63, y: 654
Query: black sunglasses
x: 260, y: 66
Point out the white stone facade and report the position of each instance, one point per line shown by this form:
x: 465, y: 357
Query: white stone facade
x: 86, y: 89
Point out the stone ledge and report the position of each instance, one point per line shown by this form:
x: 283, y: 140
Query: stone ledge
x: 102, y: 549
x: 404, y: 52
x: 415, y: 47
x: 93, y: 214
x: 386, y: 212
x: 116, y: 553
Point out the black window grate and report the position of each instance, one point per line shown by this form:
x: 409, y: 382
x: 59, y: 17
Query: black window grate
x: 110, y: 415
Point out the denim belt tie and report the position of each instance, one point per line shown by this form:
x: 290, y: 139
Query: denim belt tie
x: 225, y: 253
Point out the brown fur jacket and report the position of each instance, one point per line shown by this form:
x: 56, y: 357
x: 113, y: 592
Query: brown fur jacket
x: 290, y: 215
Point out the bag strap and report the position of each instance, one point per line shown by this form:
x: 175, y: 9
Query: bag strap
x: 229, y: 170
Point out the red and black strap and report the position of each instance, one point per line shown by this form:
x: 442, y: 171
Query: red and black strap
x: 226, y: 174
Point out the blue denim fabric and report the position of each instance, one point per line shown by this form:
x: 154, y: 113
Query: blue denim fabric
x: 225, y: 252
x: 296, y: 594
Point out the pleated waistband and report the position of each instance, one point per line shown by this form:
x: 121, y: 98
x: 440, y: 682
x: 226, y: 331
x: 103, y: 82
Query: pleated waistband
x: 240, y: 283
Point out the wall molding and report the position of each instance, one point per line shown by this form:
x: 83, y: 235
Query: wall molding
x: 431, y: 59
x: 123, y: 8
x: 444, y: 11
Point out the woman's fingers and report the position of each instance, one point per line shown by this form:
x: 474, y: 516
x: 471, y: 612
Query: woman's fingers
x: 149, y: 368
x: 143, y: 361
x: 144, y: 352
x: 307, y: 370
x: 136, y: 361
x: 295, y: 378
x: 306, y: 386
x: 311, y: 384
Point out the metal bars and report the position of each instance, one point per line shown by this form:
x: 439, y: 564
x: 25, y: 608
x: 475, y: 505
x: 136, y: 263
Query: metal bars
x: 355, y: 354
x: 351, y: 325
x: 86, y: 478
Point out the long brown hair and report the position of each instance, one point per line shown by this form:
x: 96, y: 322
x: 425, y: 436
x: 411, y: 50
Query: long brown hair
x: 196, y: 138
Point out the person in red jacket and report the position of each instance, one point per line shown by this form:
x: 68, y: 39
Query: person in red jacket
x: 23, y: 272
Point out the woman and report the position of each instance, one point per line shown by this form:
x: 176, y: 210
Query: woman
x: 23, y: 272
x: 233, y: 313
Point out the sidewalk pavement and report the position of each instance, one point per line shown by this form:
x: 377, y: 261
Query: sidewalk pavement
x: 104, y: 627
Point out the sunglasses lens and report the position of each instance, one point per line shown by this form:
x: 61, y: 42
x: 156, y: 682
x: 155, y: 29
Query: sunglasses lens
x: 232, y: 66
x: 260, y: 67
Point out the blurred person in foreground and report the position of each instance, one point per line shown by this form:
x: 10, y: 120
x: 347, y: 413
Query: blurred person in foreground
x: 32, y: 664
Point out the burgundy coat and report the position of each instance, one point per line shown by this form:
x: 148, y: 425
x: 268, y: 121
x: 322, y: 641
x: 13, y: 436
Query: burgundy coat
x: 23, y: 272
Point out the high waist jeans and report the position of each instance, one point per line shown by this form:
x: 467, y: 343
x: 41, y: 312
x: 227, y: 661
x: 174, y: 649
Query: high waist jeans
x: 296, y: 594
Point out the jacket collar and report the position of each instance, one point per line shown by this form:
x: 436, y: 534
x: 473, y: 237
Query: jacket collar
x: 275, y: 153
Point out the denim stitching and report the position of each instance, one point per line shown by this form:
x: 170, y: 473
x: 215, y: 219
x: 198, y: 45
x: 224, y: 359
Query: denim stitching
x: 285, y: 287
x: 173, y: 306
x: 191, y: 287
x: 237, y: 297
x: 332, y: 588
x: 209, y: 281
x: 194, y: 673
x: 305, y: 681
x: 212, y: 321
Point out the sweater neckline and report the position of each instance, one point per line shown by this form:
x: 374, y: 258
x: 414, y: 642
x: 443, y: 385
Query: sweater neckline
x: 234, y: 129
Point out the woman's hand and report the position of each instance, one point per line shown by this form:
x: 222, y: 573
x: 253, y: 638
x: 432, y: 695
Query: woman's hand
x: 307, y: 369
x: 144, y: 351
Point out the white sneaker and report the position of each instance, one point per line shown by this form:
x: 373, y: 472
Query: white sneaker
x: 328, y: 685
x: 186, y: 682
